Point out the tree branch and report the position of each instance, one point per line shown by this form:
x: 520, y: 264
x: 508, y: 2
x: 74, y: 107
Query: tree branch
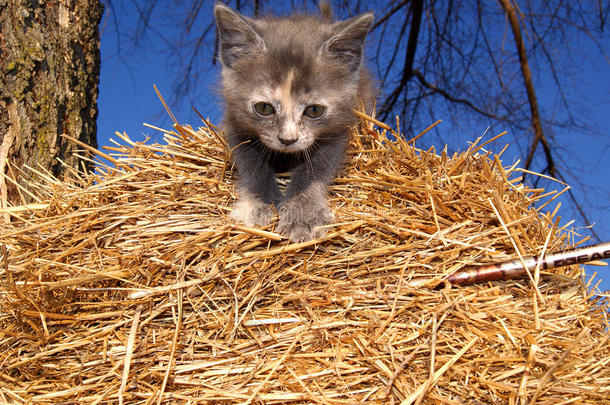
x: 389, y: 14
x: 422, y: 80
x: 417, y: 9
x: 531, y: 93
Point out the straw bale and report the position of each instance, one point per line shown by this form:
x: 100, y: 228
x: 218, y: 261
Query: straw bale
x: 130, y: 285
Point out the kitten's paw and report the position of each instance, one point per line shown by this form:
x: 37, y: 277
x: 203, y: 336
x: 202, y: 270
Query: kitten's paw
x: 251, y: 212
x: 301, y: 223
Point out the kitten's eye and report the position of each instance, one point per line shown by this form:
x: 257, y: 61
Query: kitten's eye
x: 315, y: 111
x: 264, y: 108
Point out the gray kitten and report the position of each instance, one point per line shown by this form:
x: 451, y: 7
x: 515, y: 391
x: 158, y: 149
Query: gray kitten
x: 289, y: 85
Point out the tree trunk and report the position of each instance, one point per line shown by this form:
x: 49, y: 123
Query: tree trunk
x: 49, y: 73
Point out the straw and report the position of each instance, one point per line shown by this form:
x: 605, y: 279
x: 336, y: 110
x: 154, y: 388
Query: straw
x: 131, y: 285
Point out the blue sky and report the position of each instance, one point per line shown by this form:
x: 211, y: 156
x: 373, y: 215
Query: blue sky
x: 127, y: 100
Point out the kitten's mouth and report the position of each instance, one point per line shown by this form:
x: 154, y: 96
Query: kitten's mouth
x: 290, y: 149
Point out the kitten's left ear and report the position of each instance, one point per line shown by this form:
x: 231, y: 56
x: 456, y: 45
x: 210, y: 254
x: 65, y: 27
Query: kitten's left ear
x: 347, y: 41
x: 237, y: 37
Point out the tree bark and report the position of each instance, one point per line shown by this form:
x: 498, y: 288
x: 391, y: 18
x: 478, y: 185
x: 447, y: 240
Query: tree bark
x: 49, y: 73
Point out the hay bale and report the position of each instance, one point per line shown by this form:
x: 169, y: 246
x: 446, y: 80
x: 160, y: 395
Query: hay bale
x: 130, y: 286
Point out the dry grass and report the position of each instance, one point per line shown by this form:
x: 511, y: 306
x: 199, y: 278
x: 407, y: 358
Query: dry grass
x: 130, y: 286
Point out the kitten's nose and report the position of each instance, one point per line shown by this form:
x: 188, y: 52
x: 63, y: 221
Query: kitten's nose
x: 288, y: 141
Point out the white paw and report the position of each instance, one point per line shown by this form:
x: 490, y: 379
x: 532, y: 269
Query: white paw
x: 251, y: 212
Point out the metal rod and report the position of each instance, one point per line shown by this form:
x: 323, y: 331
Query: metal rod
x: 515, y: 268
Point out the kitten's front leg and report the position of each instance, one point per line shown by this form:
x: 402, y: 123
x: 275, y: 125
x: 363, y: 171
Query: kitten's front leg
x: 303, y: 215
x: 257, y: 188
x: 305, y: 209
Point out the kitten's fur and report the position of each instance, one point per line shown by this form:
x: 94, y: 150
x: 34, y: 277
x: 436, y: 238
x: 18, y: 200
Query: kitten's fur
x: 283, y: 66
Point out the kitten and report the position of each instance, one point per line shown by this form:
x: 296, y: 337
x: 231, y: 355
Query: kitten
x: 289, y: 85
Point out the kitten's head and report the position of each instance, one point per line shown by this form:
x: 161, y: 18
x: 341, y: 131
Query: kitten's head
x: 290, y: 82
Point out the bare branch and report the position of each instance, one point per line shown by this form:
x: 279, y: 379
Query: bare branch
x: 446, y: 95
x: 389, y: 14
x: 416, y: 9
x: 531, y: 93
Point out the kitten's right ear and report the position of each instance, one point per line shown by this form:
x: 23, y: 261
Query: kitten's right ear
x: 236, y: 35
x: 347, y: 41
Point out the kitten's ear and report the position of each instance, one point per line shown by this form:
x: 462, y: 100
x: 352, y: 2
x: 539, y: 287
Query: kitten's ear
x: 347, y: 41
x: 236, y: 34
